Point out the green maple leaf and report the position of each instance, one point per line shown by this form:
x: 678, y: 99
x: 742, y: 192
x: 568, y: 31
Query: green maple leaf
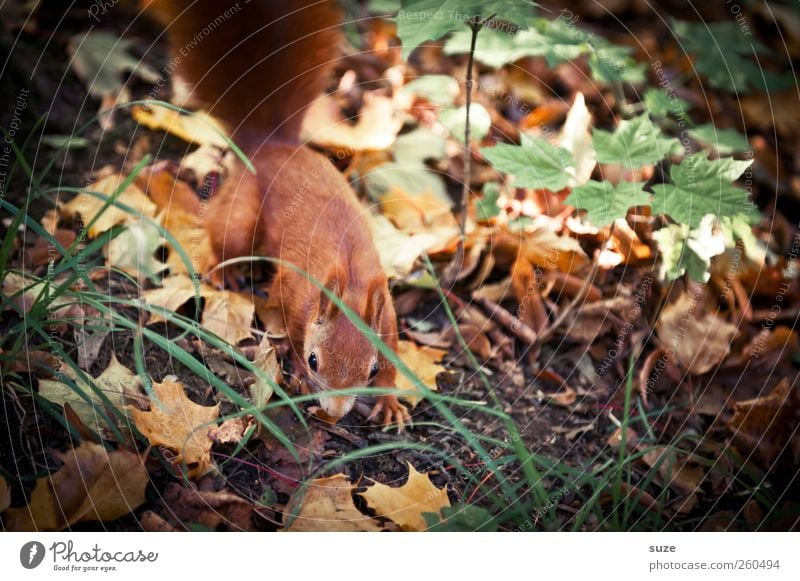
x: 555, y: 40
x: 635, y: 143
x: 701, y: 186
x: 660, y: 104
x: 604, y: 202
x: 486, y: 207
x: 723, y: 53
x: 723, y: 141
x: 424, y: 20
x: 535, y: 164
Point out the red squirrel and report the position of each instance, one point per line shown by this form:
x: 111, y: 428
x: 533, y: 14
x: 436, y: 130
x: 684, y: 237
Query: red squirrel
x: 257, y: 65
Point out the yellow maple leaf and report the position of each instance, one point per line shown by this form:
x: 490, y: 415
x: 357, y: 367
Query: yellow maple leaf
x: 327, y: 505
x: 422, y: 361
x: 404, y: 505
x: 93, y: 484
x: 180, y: 424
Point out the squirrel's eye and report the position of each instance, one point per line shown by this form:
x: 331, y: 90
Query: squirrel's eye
x: 374, y: 370
x: 312, y: 362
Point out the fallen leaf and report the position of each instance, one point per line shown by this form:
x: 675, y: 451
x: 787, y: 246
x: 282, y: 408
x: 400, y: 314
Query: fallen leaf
x: 764, y: 425
x: 199, y: 127
x: 228, y: 432
x: 227, y: 314
x: 175, y: 291
x: 405, y: 505
x: 116, y: 382
x: 422, y: 361
x: 89, y: 207
x: 327, y: 505
x: 214, y: 509
x: 5, y: 495
x: 376, y: 126
x: 134, y: 250
x: 180, y: 424
x: 677, y: 471
x: 267, y: 361
x: 697, y: 340
x: 30, y: 292
x: 93, y: 484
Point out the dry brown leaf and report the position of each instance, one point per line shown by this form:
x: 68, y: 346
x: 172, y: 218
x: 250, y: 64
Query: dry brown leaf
x: 14, y: 283
x: 188, y: 229
x: 93, y: 484
x: 5, y: 495
x: 564, y: 398
x: 765, y: 425
x: 214, y: 509
x: 375, y: 129
x: 199, y: 128
x: 176, y: 291
x: 228, y: 314
x: 267, y: 361
x: 422, y: 361
x: 677, y: 471
x: 404, y: 505
x: 697, y: 340
x: 180, y: 424
x: 327, y: 505
x: 398, y: 250
x: 547, y: 249
x: 88, y: 206
x: 229, y: 432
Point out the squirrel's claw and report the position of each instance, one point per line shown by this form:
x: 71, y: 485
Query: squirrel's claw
x: 394, y: 413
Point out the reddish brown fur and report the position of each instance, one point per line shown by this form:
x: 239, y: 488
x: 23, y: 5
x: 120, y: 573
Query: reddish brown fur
x: 297, y: 207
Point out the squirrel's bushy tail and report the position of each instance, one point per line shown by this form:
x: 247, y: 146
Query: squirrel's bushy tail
x: 254, y: 64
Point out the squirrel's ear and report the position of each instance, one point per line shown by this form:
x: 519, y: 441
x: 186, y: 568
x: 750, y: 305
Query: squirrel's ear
x: 334, y: 282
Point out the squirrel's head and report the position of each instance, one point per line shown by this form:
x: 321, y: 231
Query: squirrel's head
x: 336, y: 354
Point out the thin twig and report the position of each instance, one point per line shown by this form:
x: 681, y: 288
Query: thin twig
x: 451, y: 272
x: 519, y: 328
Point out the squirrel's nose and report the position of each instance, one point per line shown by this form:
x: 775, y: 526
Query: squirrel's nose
x: 336, y: 406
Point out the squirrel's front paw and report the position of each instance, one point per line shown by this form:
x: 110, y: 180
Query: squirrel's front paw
x: 393, y: 412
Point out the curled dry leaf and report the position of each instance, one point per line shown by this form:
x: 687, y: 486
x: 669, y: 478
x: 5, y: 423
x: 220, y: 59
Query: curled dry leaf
x: 134, y: 250
x: 267, y: 361
x: 697, y: 340
x: 93, y: 484
x: 327, y: 505
x: 90, y: 207
x: 764, y: 425
x: 422, y: 361
x: 180, y: 424
x: 405, y: 505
